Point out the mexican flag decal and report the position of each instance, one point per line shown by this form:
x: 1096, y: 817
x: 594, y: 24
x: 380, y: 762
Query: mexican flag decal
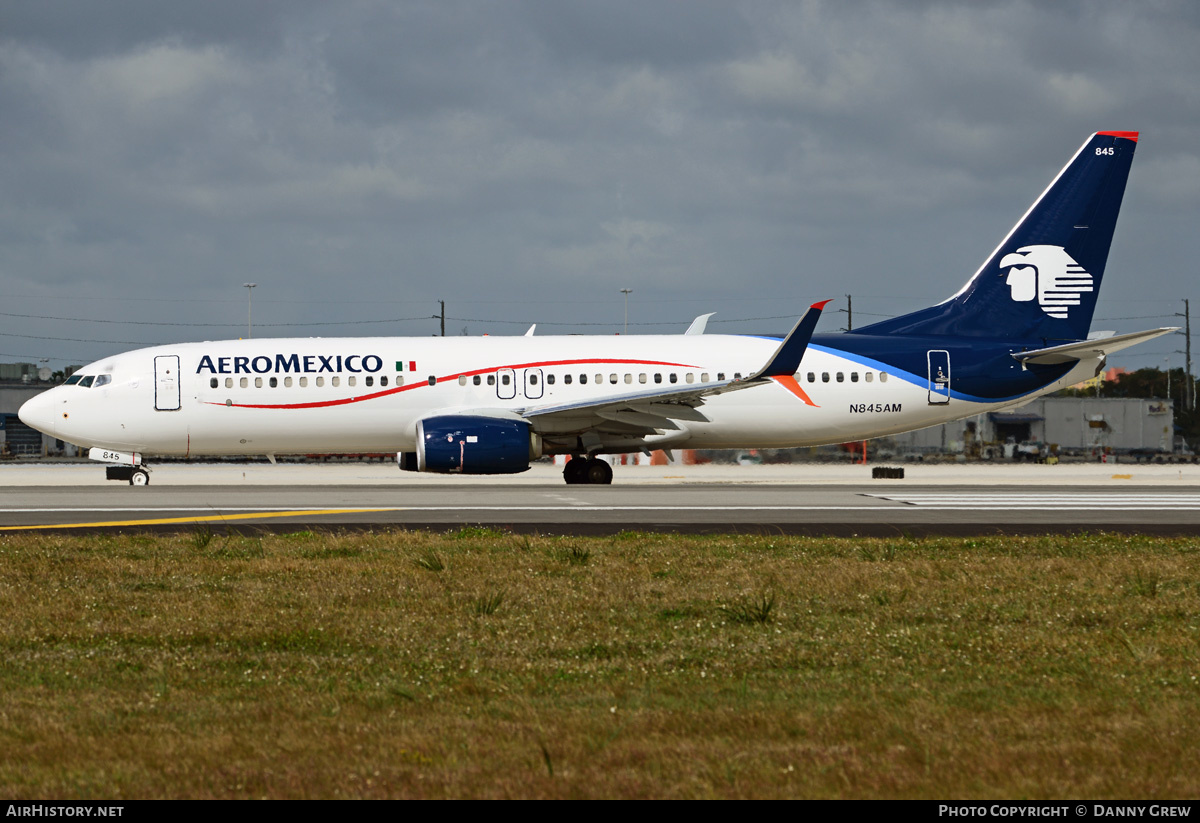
x: 406, y: 365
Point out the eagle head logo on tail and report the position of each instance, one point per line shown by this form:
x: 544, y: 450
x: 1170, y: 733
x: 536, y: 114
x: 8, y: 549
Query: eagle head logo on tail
x: 1048, y: 274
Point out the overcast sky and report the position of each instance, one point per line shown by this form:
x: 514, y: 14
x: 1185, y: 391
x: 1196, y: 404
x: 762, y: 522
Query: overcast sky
x: 524, y: 161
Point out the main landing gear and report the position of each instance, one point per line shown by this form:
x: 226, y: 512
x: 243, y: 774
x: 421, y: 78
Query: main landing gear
x: 591, y: 471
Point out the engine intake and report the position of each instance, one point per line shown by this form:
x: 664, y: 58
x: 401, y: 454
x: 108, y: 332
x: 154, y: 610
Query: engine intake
x: 471, y: 444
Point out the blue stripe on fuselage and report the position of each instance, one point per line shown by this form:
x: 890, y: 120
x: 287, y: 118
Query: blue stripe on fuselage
x: 981, y: 370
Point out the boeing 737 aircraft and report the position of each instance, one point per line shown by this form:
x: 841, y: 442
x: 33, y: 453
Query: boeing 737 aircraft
x: 1018, y: 329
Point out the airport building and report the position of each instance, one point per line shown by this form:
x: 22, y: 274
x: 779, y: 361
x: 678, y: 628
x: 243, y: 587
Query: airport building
x: 1082, y: 426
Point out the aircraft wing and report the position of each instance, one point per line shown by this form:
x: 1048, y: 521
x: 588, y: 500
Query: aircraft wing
x: 653, y: 410
x: 1088, y: 349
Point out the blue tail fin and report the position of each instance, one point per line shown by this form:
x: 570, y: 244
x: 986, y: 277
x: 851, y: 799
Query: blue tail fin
x: 1042, y: 281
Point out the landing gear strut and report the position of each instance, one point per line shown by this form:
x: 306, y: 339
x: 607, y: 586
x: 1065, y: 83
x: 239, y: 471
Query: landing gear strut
x: 590, y: 471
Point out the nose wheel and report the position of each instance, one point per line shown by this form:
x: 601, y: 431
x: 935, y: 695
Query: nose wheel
x: 591, y: 471
x: 135, y: 476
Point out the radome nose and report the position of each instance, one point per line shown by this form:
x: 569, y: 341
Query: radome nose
x: 38, y: 412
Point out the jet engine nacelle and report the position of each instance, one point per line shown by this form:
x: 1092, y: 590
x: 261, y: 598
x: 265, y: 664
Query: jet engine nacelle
x: 472, y: 444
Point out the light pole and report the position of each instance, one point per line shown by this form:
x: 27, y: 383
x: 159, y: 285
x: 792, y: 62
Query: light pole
x: 249, y: 307
x: 626, y: 293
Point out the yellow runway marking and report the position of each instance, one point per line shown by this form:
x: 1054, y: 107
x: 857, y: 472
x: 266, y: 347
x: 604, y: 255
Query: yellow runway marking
x: 215, y: 517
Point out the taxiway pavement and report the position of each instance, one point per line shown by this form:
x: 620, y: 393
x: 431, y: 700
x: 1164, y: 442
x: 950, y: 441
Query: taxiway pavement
x: 800, y: 498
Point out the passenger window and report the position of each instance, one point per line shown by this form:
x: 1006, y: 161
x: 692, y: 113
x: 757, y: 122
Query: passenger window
x: 351, y: 380
x: 628, y: 379
x: 287, y: 382
x: 853, y: 377
x: 600, y: 378
x: 462, y: 380
x: 720, y: 375
x: 432, y: 380
x: 258, y: 382
x: 399, y: 380
x: 567, y: 379
x: 476, y: 380
x: 229, y: 382
x: 383, y: 380
x: 304, y: 382
x: 641, y: 378
x: 533, y: 379
x: 690, y: 378
x: 582, y: 379
x: 275, y: 382
x: 334, y: 381
x: 86, y: 382
x: 841, y: 378
x: 883, y: 377
x: 491, y: 379
x: 370, y: 381
x: 657, y: 377
x: 212, y: 383
x: 824, y: 377
x: 674, y: 377
x: 704, y: 377
x: 550, y: 379
x: 243, y: 382
x: 504, y: 378
x: 812, y: 378
x: 320, y: 381
x: 869, y: 376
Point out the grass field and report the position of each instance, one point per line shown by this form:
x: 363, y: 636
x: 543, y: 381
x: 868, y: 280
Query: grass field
x: 480, y: 664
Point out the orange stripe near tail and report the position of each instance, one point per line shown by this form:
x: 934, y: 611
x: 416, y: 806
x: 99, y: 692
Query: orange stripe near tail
x: 789, y: 383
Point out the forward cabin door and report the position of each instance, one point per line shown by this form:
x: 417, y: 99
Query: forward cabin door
x: 166, y: 382
x: 939, y: 377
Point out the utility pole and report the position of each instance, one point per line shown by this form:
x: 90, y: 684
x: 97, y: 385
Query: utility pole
x: 249, y: 307
x: 626, y: 293
x: 443, y: 302
x: 849, y: 310
x: 1189, y: 391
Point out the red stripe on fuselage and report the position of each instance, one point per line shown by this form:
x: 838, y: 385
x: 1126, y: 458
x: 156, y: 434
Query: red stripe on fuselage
x: 425, y: 384
x: 789, y: 383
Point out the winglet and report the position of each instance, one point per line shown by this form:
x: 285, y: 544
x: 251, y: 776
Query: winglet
x: 699, y: 324
x: 787, y: 357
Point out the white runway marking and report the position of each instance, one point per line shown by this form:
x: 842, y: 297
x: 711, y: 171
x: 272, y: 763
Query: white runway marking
x: 1103, y: 501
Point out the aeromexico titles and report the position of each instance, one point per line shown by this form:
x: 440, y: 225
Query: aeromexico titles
x: 1018, y: 329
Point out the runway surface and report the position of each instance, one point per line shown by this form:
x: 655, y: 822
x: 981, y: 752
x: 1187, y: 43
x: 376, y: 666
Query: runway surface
x: 1159, y: 501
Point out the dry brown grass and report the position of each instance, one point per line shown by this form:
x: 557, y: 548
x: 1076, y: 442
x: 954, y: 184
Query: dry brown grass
x: 316, y: 665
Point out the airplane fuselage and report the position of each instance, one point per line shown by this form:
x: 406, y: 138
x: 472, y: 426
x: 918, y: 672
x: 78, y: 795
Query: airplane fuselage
x: 283, y: 396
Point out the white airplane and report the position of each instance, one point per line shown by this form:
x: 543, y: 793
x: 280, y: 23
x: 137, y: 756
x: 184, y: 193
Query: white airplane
x: 1018, y: 329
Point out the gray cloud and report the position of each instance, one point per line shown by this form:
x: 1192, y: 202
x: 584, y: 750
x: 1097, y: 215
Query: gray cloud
x: 524, y: 161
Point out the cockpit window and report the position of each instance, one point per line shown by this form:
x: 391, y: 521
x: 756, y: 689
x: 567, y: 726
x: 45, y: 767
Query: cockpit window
x: 102, y: 380
x: 87, y: 381
x: 73, y: 379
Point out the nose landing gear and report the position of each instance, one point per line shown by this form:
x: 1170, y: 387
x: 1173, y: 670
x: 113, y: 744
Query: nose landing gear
x: 135, y: 476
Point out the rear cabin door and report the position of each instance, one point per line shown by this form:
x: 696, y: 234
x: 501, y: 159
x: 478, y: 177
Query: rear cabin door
x: 166, y: 382
x: 939, y: 376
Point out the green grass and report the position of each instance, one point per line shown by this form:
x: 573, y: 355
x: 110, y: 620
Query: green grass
x: 484, y: 664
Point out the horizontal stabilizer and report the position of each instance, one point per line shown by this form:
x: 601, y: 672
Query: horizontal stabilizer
x: 1089, y: 349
